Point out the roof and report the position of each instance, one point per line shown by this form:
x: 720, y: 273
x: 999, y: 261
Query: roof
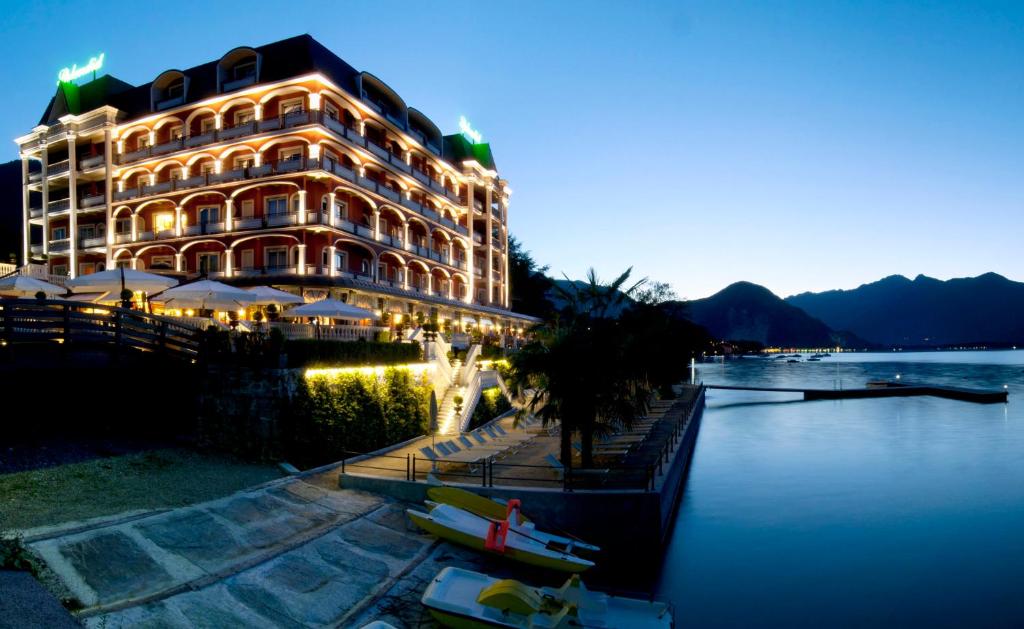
x: 458, y: 149
x: 284, y: 59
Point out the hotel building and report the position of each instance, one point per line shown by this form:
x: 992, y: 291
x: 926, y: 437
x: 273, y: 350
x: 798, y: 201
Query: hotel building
x: 279, y: 165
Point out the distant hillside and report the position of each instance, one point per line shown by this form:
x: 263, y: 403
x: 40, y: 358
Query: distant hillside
x: 10, y: 209
x: 748, y: 312
x: 925, y: 311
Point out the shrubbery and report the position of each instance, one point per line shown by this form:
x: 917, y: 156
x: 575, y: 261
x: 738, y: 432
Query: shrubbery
x: 331, y: 416
x: 314, y: 353
x: 492, y: 403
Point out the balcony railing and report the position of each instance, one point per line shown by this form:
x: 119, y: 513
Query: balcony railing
x: 57, y: 168
x: 95, y: 241
x: 277, y: 168
x: 62, y: 244
x: 202, y: 229
x: 120, y: 239
x: 35, y: 212
x: 92, y: 200
x: 91, y: 162
x: 284, y: 218
x: 59, y: 205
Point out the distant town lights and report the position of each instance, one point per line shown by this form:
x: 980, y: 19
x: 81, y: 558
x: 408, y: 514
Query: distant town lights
x: 469, y: 132
x: 66, y: 75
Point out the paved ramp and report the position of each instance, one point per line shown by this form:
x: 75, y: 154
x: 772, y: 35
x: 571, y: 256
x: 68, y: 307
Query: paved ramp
x: 289, y: 554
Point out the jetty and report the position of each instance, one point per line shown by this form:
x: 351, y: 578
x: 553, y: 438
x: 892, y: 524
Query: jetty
x: 884, y: 389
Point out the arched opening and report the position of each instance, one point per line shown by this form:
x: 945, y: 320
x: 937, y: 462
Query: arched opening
x: 170, y: 89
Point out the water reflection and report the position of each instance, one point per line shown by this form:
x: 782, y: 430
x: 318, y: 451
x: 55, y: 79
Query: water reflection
x: 898, y: 511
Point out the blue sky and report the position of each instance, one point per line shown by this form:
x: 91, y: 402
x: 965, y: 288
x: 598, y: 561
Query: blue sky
x: 803, y: 146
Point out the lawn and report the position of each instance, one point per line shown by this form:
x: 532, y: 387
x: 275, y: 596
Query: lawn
x: 105, y: 486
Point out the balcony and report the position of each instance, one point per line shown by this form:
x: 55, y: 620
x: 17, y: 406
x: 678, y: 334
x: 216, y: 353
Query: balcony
x: 394, y: 241
x: 201, y: 229
x: 167, y: 103
x: 231, y: 86
x: 121, y: 238
x: 230, y: 133
x: 59, y: 205
x: 284, y: 218
x: 248, y: 223
x: 168, y: 147
x: 57, y: 168
x: 143, y: 236
x: 95, y: 241
x: 91, y: 162
x: 62, y: 244
x: 91, y: 201
x: 197, y: 140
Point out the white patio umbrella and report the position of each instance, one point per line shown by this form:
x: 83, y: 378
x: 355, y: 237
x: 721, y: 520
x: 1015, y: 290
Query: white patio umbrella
x: 24, y: 286
x: 116, y: 280
x: 331, y: 308
x: 205, y: 295
x: 266, y: 295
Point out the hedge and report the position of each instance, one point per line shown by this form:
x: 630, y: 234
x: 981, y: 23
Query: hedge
x: 313, y: 353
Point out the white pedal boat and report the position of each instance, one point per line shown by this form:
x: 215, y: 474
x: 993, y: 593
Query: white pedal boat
x: 469, y: 600
x: 522, y: 542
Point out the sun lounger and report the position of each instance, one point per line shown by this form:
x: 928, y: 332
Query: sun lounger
x: 556, y: 464
x: 467, y: 443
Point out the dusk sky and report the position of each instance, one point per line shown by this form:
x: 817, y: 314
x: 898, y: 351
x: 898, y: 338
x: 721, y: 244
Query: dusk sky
x: 803, y: 146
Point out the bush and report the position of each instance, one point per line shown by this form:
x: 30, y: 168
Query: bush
x: 492, y: 403
x: 331, y: 417
x: 311, y: 353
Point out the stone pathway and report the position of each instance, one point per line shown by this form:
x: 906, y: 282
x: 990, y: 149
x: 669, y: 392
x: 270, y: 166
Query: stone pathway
x: 288, y: 554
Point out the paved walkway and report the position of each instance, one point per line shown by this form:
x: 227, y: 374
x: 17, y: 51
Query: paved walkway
x: 292, y: 553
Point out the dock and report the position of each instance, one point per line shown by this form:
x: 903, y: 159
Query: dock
x: 886, y: 389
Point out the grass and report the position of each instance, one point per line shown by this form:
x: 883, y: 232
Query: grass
x: 100, y: 487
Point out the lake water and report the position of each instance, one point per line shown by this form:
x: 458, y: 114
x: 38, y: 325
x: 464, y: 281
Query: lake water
x: 884, y: 512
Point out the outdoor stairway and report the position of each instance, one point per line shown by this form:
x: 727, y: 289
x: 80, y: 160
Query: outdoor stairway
x: 446, y: 421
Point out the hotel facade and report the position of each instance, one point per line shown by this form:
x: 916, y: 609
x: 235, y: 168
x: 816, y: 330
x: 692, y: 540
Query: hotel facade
x: 279, y: 165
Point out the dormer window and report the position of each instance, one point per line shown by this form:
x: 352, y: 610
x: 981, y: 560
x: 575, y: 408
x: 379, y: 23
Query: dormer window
x: 244, y: 70
x: 175, y: 90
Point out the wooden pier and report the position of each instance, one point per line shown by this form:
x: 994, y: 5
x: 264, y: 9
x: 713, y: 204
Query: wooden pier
x: 886, y: 389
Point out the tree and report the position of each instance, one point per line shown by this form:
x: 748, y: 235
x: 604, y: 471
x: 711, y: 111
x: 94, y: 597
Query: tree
x: 528, y: 282
x: 595, y: 363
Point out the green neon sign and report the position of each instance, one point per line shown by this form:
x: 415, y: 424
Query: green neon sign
x: 67, y: 75
x: 469, y: 132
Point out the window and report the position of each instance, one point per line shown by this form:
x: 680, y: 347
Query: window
x: 243, y: 69
x: 382, y: 271
x: 290, y: 153
x: 60, y: 269
x: 162, y: 262
x: 291, y: 106
x: 245, y: 161
x: 175, y: 174
x: 248, y: 259
x: 58, y: 233
x: 86, y: 268
x: 207, y: 168
x: 276, y: 206
x: 296, y: 200
x: 142, y: 141
x: 341, y: 210
x: 339, y: 260
x: 163, y: 222
x: 331, y: 111
x: 207, y: 125
x: 122, y: 225
x: 276, y: 257
x: 244, y: 117
x: 248, y: 208
x: 364, y: 267
x: 177, y: 132
x: 86, y: 231
x: 209, y: 214
x: 175, y: 90
x: 209, y: 262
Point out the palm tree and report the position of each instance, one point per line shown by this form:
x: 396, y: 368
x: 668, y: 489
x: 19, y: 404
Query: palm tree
x: 594, y: 365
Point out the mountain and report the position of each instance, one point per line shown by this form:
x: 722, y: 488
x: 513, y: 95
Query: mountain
x: 897, y: 311
x: 748, y: 312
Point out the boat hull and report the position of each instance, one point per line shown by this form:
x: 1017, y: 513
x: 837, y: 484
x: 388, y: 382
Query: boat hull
x: 471, y: 539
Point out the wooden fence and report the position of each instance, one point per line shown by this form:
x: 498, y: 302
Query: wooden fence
x: 33, y: 321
